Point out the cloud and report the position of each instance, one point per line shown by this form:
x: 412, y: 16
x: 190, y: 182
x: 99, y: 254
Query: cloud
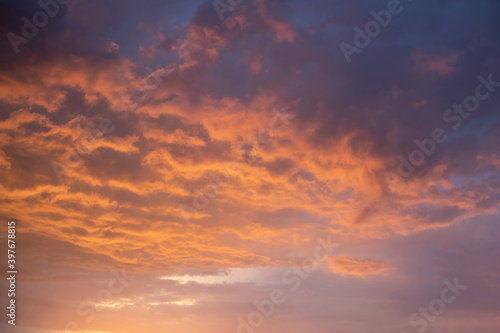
x: 322, y: 174
x: 442, y: 65
x: 345, y: 266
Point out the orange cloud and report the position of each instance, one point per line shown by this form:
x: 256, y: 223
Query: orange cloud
x: 282, y: 29
x: 345, y: 266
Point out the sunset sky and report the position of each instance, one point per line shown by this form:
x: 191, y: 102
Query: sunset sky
x: 251, y: 166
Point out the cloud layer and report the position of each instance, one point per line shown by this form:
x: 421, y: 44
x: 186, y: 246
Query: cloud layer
x: 155, y: 139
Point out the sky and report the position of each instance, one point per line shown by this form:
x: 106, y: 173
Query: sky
x: 251, y: 165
